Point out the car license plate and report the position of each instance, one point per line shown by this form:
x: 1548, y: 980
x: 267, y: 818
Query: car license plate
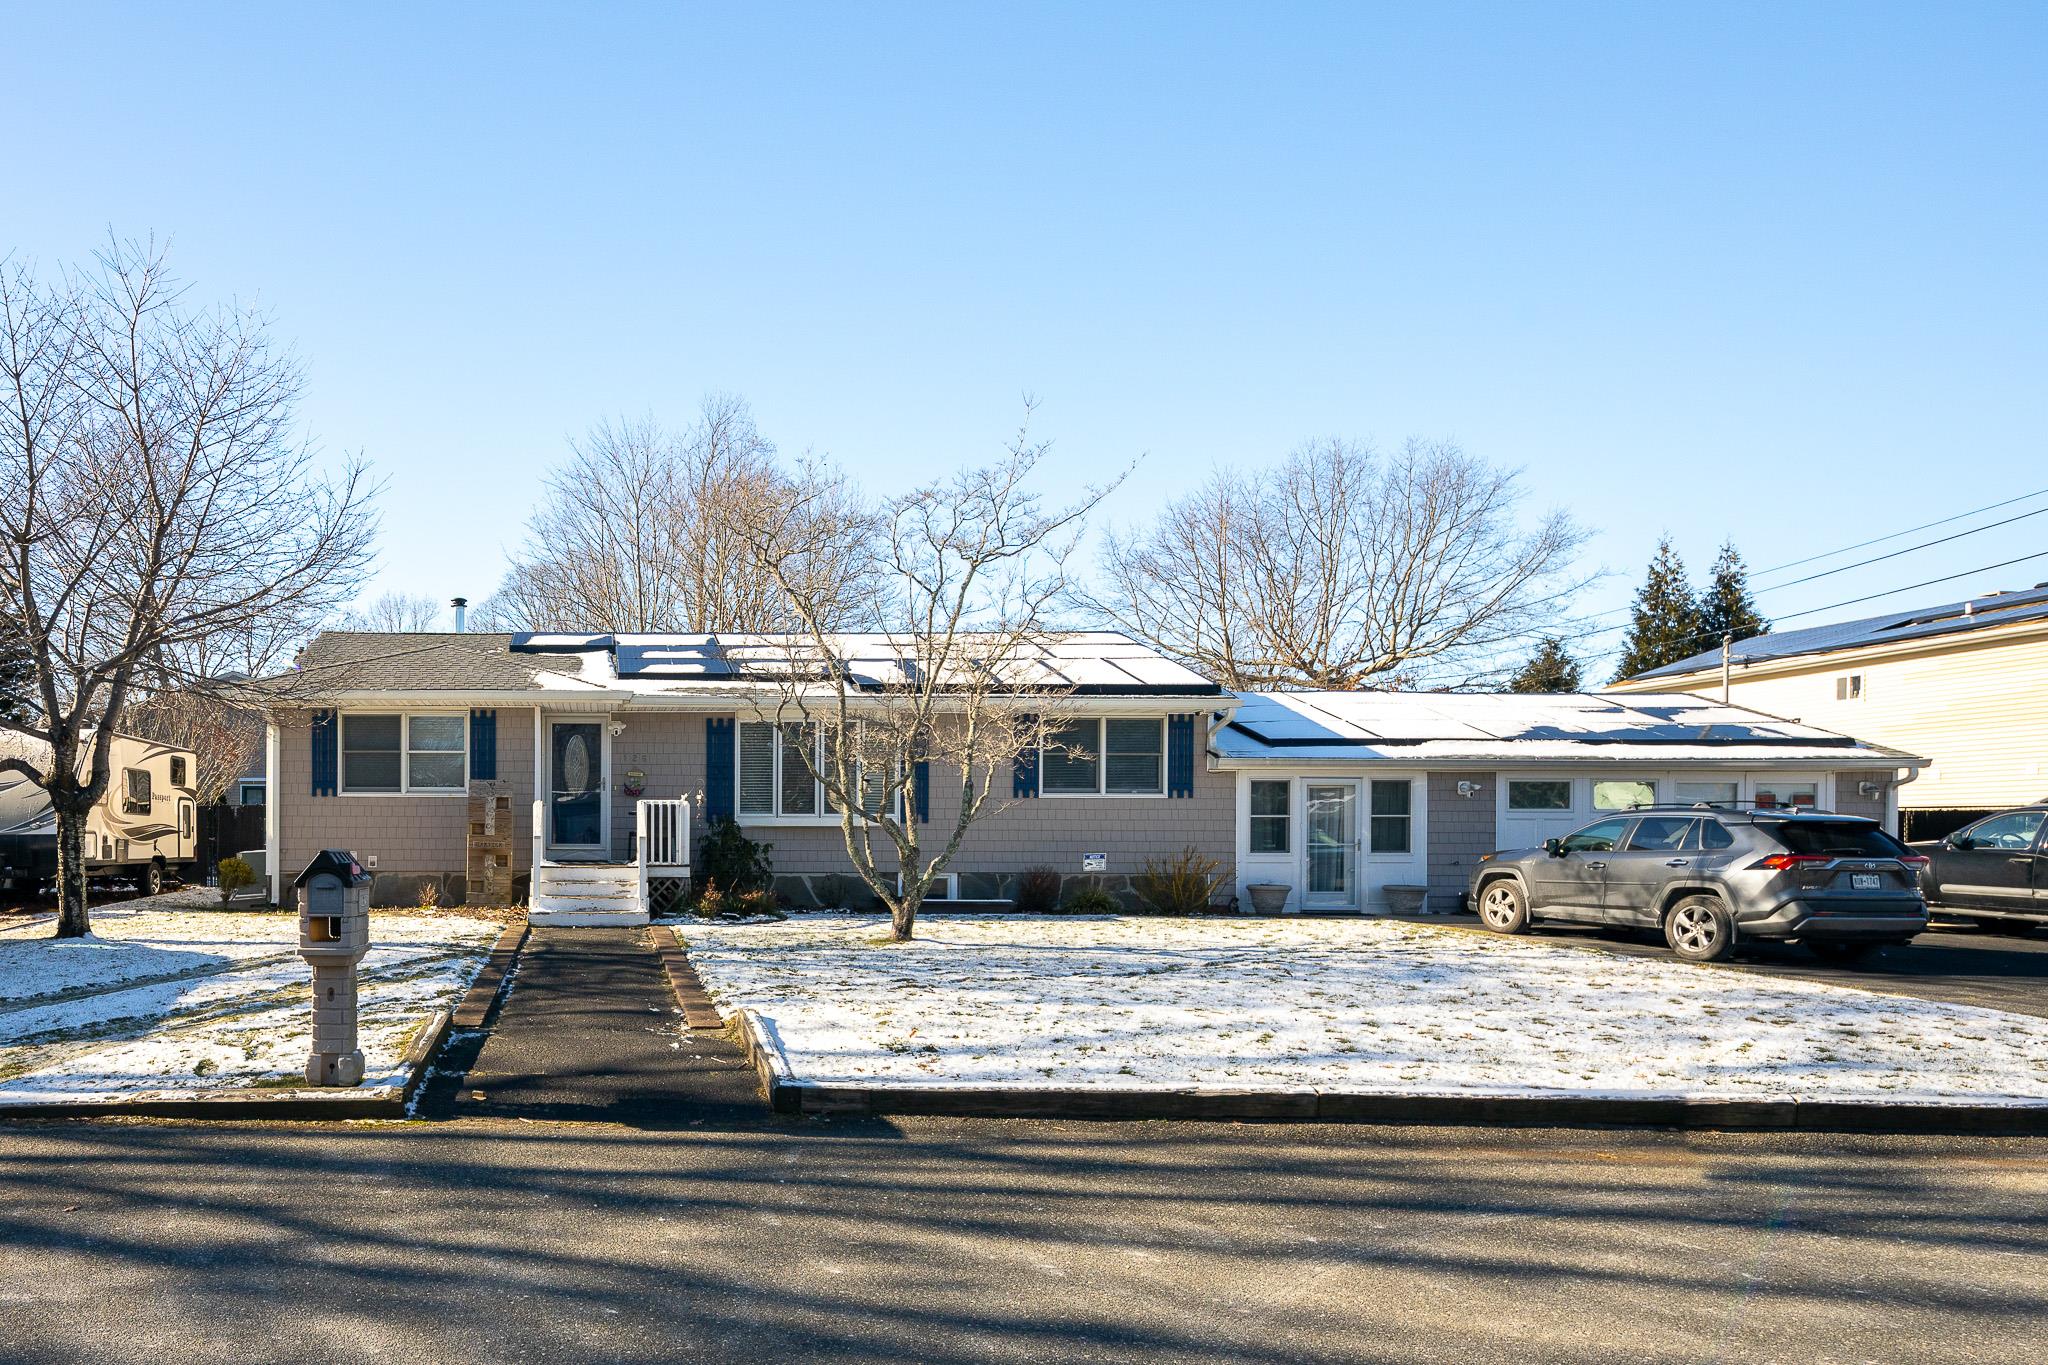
x: 1865, y: 881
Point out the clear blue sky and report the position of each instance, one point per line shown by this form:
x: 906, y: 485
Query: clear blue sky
x: 1770, y: 272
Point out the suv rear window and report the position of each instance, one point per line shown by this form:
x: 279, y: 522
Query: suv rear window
x: 1836, y: 838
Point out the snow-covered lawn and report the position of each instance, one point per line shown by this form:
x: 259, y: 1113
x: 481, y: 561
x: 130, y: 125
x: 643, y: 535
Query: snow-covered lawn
x: 1353, y: 1006
x: 174, y: 996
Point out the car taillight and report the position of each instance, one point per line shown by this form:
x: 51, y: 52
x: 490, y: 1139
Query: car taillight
x: 1913, y: 859
x: 1778, y: 862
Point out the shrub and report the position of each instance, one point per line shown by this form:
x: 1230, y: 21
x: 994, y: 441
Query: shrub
x: 1038, y: 890
x: 720, y: 902
x: 731, y: 860
x: 1183, y: 884
x: 235, y: 873
x: 430, y: 894
x: 1092, y: 900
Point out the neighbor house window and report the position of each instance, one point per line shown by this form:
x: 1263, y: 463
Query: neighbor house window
x: 1105, y: 756
x: 135, y: 799
x: 252, y: 794
x: 775, y: 783
x: 1540, y: 795
x: 424, y: 753
x: 1623, y: 794
x: 1391, y: 814
x: 1270, y: 816
x: 1849, y: 687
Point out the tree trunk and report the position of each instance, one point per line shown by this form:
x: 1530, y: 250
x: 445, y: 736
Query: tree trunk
x: 903, y: 918
x: 73, y: 920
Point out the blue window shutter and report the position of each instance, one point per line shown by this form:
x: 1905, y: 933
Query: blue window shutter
x: 1024, y: 781
x: 325, y: 734
x: 1180, y: 755
x: 483, y: 746
x: 921, y: 790
x: 718, y: 761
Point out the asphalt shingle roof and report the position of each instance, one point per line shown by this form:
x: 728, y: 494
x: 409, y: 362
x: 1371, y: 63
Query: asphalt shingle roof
x: 1950, y: 618
x: 347, y: 660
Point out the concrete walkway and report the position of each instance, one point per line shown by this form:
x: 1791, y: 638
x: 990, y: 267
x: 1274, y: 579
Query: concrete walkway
x: 590, y: 1030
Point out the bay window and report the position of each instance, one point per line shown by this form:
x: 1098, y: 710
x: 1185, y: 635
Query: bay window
x: 1105, y: 756
x: 405, y: 753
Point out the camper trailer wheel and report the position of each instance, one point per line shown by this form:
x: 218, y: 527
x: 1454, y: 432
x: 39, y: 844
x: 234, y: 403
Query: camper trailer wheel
x: 153, y: 878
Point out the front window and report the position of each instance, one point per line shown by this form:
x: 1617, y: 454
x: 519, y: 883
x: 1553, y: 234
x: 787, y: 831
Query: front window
x: 1600, y: 838
x: 1623, y: 794
x: 1704, y: 793
x: 1791, y: 791
x: 775, y: 782
x: 1540, y: 795
x: 1390, y: 816
x: 136, y: 798
x: 1105, y: 756
x: 422, y: 753
x: 1270, y: 816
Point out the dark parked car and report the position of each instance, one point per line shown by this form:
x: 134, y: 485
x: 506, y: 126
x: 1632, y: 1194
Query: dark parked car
x: 1709, y: 877
x: 1995, y: 871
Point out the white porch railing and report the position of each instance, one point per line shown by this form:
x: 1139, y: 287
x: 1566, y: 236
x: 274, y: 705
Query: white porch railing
x: 661, y: 840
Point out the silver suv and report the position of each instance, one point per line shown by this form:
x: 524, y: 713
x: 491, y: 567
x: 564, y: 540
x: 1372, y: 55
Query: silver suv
x: 1711, y: 876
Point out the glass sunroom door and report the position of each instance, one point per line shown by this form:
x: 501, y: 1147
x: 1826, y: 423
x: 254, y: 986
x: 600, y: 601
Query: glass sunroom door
x: 576, y: 786
x: 1330, y: 811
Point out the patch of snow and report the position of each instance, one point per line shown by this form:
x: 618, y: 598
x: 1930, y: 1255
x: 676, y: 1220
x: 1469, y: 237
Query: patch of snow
x: 1350, y: 1006
x: 168, y: 1001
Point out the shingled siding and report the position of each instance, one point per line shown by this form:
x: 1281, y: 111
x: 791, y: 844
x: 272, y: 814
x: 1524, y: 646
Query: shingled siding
x: 410, y: 835
x: 1850, y: 801
x: 669, y: 750
x: 1460, y: 829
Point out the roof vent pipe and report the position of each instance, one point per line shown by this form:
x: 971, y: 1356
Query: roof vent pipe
x: 461, y: 605
x: 1969, y: 609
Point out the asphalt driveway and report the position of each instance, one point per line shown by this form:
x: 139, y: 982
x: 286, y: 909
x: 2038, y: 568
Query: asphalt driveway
x: 1962, y: 965
x: 929, y: 1240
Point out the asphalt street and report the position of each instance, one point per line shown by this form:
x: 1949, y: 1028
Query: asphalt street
x: 964, y: 1241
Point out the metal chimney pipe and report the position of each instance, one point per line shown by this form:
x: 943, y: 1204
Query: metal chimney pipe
x: 461, y: 605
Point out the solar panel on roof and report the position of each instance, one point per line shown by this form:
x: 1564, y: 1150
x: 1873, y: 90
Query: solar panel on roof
x: 557, y: 642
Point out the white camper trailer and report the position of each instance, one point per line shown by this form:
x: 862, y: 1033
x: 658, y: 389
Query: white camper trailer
x: 144, y: 828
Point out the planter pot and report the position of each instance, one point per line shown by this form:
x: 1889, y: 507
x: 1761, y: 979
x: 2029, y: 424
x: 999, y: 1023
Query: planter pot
x: 1405, y: 900
x: 1268, y: 898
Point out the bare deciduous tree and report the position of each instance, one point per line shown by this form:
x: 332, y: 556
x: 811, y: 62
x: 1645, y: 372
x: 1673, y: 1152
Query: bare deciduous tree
x: 964, y: 678
x: 397, y: 612
x: 223, y: 735
x: 1344, y: 568
x: 632, y: 535
x: 153, y: 503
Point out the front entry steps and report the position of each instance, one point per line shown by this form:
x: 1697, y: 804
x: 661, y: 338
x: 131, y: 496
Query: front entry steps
x: 586, y: 895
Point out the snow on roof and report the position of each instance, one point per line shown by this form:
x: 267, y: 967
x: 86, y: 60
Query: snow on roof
x: 1465, y: 726
x: 1088, y: 662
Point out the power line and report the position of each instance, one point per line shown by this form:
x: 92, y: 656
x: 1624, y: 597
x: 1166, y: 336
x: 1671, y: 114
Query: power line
x: 1923, y: 545
x: 1927, y: 526
x: 1853, y: 601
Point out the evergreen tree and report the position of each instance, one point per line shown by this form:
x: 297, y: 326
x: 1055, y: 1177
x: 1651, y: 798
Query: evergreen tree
x: 1727, y: 607
x: 17, y: 681
x: 1549, y: 669
x: 1666, y: 625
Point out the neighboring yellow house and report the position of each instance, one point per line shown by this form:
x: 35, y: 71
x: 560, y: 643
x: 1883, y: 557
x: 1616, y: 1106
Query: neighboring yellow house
x: 1964, y: 684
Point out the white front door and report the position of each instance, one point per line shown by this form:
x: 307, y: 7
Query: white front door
x: 1330, y: 811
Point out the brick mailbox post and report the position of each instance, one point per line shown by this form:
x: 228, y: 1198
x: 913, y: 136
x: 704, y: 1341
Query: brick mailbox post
x: 334, y: 932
